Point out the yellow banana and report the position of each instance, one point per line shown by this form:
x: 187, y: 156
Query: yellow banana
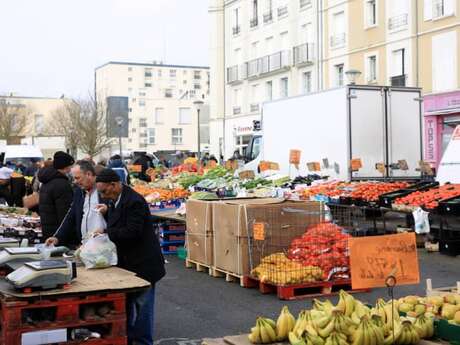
x: 270, y: 322
x: 264, y: 336
x: 294, y: 340
x: 390, y: 339
x: 349, y: 304
x: 324, y: 332
x: 358, y: 336
x: 310, y: 329
x: 315, y: 339
x: 322, y: 322
x: 270, y: 331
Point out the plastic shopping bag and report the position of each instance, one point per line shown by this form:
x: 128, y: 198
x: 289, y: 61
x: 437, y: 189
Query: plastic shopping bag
x: 99, y: 221
x: 422, y: 224
x: 98, y: 252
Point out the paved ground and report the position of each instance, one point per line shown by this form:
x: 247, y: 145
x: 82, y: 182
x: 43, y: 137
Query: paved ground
x: 191, y: 305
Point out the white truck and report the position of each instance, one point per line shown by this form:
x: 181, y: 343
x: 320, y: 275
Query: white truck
x: 379, y: 126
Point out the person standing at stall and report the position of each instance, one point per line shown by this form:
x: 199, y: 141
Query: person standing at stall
x: 130, y: 227
x: 56, y: 193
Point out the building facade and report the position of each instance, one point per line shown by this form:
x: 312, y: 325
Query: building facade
x: 271, y: 49
x: 162, y: 115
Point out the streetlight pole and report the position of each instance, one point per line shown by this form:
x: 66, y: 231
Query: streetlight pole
x: 198, y: 105
x: 119, y: 121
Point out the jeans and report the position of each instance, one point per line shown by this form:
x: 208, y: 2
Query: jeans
x: 139, y: 312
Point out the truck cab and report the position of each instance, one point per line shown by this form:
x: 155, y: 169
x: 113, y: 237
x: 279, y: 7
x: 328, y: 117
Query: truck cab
x: 253, y: 153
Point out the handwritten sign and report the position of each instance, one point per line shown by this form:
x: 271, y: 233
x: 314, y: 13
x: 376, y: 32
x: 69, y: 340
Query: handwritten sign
x: 374, y: 259
x: 426, y: 168
x: 294, y: 157
x: 231, y: 164
x: 380, y: 168
x: 403, y: 164
x: 314, y: 166
x: 246, y: 174
x: 356, y: 164
x: 259, y: 231
x: 135, y: 168
x: 266, y: 165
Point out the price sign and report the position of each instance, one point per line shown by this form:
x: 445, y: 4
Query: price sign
x: 356, y: 164
x: 211, y: 164
x: 403, y: 164
x: 380, y: 168
x: 294, y: 157
x: 314, y: 166
x: 426, y: 168
x: 135, y: 168
x: 246, y: 175
x: 231, y: 164
x: 266, y: 165
x: 259, y: 231
x: 374, y: 259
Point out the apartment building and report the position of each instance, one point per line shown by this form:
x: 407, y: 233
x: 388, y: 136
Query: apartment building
x: 39, y: 112
x: 160, y: 99
x: 263, y: 50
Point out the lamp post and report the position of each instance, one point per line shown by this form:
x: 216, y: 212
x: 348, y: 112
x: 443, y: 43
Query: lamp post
x: 352, y: 74
x: 198, y: 106
x: 119, y: 120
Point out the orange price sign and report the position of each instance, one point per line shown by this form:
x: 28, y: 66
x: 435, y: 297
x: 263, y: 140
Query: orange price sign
x: 314, y: 166
x: 356, y: 164
x: 294, y: 157
x: 259, y: 231
x: 374, y: 259
x: 135, y: 168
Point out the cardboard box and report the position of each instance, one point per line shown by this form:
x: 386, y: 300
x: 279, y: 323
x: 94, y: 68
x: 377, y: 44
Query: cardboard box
x: 199, y: 217
x: 200, y: 248
x: 277, y: 221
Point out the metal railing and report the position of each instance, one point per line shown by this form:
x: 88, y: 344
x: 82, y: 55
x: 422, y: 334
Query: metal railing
x: 268, y: 63
x: 338, y: 40
x: 399, y: 80
x: 438, y: 8
x: 397, y: 21
x: 233, y: 74
x: 236, y: 29
x: 253, y: 22
x: 268, y: 16
x: 282, y: 11
x: 254, y: 107
x: 304, y: 3
x: 236, y: 110
x: 303, y: 53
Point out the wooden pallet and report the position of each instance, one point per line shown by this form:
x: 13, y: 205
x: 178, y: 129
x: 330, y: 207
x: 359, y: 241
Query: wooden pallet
x: 229, y: 276
x: 441, y: 290
x: 199, y: 267
x: 301, y: 291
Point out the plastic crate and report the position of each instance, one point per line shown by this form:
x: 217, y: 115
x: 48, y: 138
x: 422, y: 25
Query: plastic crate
x: 182, y: 253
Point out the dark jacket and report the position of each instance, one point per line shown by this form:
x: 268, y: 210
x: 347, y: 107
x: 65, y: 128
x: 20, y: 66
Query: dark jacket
x: 55, y: 199
x: 130, y: 227
x: 121, y: 169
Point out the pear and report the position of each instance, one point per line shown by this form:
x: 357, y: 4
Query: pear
x: 435, y: 300
x: 411, y: 299
x: 420, y: 309
x: 448, y: 311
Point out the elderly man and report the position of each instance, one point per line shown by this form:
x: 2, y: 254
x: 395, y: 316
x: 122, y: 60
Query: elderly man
x: 130, y: 227
x: 82, y: 217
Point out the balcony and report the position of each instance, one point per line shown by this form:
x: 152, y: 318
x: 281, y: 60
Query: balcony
x: 268, y: 64
x: 282, y: 11
x: 254, y: 107
x: 399, y: 80
x: 397, y: 22
x: 236, y: 110
x: 233, y: 74
x: 253, y: 22
x: 303, y: 54
x: 268, y: 17
x: 304, y: 3
x: 236, y: 30
x: 338, y: 40
x: 438, y: 8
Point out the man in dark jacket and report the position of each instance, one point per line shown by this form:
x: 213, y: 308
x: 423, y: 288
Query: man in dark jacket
x: 116, y: 164
x: 55, y: 193
x: 130, y: 227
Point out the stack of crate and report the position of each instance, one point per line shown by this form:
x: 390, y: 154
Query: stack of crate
x: 172, y: 236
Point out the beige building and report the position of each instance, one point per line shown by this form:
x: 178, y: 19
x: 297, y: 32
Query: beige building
x: 38, y: 113
x: 271, y: 49
x: 160, y: 98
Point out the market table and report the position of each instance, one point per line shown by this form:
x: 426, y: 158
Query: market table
x: 168, y: 214
x: 96, y: 301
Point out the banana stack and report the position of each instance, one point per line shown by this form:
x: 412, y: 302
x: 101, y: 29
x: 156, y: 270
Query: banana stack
x: 350, y: 322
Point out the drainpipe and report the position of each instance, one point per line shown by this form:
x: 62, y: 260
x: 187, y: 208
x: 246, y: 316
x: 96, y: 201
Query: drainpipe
x: 416, y: 46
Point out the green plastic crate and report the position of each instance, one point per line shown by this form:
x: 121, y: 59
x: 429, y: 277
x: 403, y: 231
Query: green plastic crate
x: 446, y: 331
x: 182, y: 253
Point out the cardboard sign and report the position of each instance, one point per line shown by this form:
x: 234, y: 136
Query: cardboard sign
x: 266, y: 165
x: 231, y: 164
x: 403, y: 164
x: 373, y: 259
x: 426, y: 168
x: 246, y: 174
x: 135, y: 168
x: 380, y: 168
x: 294, y: 157
x: 356, y: 164
x: 314, y: 166
x: 211, y: 164
x: 259, y: 231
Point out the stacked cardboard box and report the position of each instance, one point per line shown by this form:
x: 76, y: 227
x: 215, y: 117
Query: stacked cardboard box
x: 199, y: 235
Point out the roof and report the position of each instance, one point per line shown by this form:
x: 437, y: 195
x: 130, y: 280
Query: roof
x: 32, y: 97
x: 150, y: 65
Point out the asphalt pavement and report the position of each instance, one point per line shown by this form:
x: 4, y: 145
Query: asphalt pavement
x: 191, y: 305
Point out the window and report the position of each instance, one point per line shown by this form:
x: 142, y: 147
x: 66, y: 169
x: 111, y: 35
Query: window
x: 284, y: 87
x: 254, y: 50
x: 142, y: 102
x: 168, y: 93
x: 196, y: 74
x: 255, y: 15
x: 398, y: 14
x: 148, y: 73
x: 254, y: 106
x: 185, y: 116
x: 130, y: 79
x: 151, y: 136
x: 372, y: 68
x: 268, y: 14
x: 439, y: 8
x: 176, y: 136
x: 398, y: 62
x: 172, y: 73
x: 184, y: 82
x: 192, y: 93
x: 147, y: 84
x: 269, y: 90
x: 142, y: 122
x: 338, y: 30
x: 197, y: 86
x: 306, y: 82
x: 236, y: 21
x: 39, y: 123
x: 236, y: 97
x: 142, y: 93
x: 130, y: 69
x: 339, y: 75
x: 159, y: 115
x: 371, y: 13
x: 133, y: 130
x: 159, y: 73
x: 444, y: 61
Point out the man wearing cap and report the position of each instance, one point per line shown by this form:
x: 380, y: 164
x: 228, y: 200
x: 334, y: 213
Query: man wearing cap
x: 130, y: 227
x: 56, y: 193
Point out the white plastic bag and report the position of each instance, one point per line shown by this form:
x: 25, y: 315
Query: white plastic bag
x: 98, y: 252
x: 99, y: 221
x: 422, y: 224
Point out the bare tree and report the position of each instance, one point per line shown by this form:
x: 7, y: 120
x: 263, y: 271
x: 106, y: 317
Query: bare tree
x: 65, y: 121
x: 13, y: 120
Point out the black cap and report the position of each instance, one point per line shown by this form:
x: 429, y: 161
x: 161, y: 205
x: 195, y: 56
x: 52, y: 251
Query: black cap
x: 107, y: 176
x: 62, y: 160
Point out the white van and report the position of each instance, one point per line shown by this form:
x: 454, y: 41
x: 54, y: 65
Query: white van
x: 20, y: 153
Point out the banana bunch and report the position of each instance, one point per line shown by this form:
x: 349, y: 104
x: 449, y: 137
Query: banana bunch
x: 335, y: 321
x: 408, y: 335
x: 306, y: 339
x: 263, y: 332
x: 284, y: 324
x: 360, y: 310
x: 325, y: 306
x: 346, y: 303
x: 336, y: 338
x: 304, y: 324
x: 424, y: 326
x: 368, y: 333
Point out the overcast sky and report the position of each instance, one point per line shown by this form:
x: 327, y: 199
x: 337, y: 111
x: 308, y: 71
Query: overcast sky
x: 51, y: 47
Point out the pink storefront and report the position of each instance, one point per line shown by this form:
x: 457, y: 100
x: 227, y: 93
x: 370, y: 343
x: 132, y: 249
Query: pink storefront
x: 442, y: 115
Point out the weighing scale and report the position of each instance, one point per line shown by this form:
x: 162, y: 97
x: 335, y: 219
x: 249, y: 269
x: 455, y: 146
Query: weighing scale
x: 19, y: 255
x: 45, y: 274
x: 7, y: 242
